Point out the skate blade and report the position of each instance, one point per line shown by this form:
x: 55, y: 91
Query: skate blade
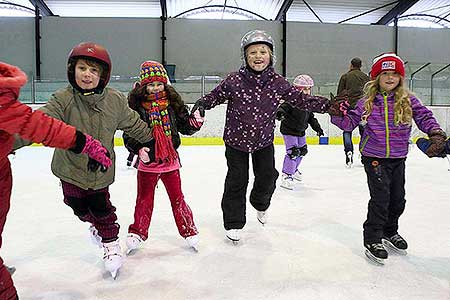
x: 391, y: 247
x: 234, y: 241
x: 373, y: 259
x: 195, y: 249
x: 261, y: 222
x: 11, y: 270
x: 131, y: 252
x: 114, y: 274
x: 287, y: 188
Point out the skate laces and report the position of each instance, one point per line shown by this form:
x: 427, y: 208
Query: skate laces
x: 112, y: 248
x: 396, y: 238
x: 377, y: 246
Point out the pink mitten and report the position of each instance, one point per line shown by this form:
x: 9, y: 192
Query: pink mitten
x: 95, y: 150
x: 196, y: 120
x: 143, y: 155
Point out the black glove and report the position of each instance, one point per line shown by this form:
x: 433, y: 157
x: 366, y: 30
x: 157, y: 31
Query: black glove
x: 200, y: 107
x: 93, y: 165
x: 436, y: 147
x: 280, y: 115
x: 339, y: 105
x: 320, y: 132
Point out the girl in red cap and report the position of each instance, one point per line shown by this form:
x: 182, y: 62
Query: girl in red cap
x: 18, y: 118
x: 386, y: 113
x: 161, y: 107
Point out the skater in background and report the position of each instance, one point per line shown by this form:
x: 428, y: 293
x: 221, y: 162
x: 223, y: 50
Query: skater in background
x: 91, y: 106
x: 387, y: 112
x: 18, y: 118
x: 294, y: 123
x: 162, y: 108
x: 352, y: 83
x: 254, y: 93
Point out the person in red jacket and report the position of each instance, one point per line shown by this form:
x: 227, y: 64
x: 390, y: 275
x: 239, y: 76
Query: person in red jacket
x: 18, y: 118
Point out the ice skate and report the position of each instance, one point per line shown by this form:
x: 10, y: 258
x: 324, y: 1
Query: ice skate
x: 349, y: 159
x: 193, y: 242
x: 261, y: 216
x: 95, y: 238
x: 376, y: 253
x: 11, y: 270
x: 396, y: 243
x: 234, y: 235
x: 133, y: 242
x: 287, y: 181
x: 298, y: 176
x: 112, y: 257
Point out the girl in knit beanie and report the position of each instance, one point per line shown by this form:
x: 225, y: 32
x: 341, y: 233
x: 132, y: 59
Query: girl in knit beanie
x: 162, y: 108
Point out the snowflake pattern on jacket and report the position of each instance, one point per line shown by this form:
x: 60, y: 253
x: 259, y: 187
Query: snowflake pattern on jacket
x: 253, y: 99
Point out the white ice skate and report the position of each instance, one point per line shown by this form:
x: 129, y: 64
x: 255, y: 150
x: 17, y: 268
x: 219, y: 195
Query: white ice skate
x: 349, y: 159
x: 112, y: 257
x: 261, y: 216
x: 298, y: 176
x: 193, y: 242
x: 95, y: 238
x: 287, y: 181
x: 234, y: 235
x: 133, y: 242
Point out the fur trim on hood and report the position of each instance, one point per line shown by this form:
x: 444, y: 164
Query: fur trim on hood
x: 11, y: 76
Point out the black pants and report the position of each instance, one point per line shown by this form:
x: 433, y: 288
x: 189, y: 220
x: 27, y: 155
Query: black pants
x: 386, y: 180
x: 236, y: 182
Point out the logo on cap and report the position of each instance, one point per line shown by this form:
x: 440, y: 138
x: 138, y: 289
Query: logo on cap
x: 388, y: 65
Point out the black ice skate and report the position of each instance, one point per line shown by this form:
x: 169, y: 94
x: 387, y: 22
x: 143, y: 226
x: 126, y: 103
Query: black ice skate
x: 376, y: 253
x: 396, y: 243
x: 349, y: 159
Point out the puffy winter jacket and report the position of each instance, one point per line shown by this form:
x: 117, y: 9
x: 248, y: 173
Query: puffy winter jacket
x: 18, y: 118
x: 381, y: 137
x: 253, y: 99
x: 296, y: 121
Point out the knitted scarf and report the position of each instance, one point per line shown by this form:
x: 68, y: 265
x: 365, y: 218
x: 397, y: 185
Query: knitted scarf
x: 160, y: 122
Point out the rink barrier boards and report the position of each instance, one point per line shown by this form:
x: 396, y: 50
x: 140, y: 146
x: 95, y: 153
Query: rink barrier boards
x: 217, y: 141
x: 205, y: 141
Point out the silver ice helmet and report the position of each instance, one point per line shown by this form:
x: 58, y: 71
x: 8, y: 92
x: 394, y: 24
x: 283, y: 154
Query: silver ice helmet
x: 257, y: 37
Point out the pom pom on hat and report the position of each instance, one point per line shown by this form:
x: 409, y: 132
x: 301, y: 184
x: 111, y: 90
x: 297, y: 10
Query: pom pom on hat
x: 387, y: 62
x: 151, y: 71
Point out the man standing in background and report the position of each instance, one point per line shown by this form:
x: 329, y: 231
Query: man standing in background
x: 352, y: 83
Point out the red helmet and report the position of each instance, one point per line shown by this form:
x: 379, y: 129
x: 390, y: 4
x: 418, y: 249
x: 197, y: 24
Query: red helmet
x: 91, y: 51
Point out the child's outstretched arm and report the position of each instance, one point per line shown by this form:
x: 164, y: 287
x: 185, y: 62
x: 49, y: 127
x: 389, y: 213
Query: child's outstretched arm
x: 336, y: 106
x: 427, y: 123
x: 36, y: 126
x: 217, y: 96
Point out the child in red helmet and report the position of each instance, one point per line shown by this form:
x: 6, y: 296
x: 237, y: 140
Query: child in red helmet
x: 165, y: 112
x: 18, y: 118
x: 99, y: 110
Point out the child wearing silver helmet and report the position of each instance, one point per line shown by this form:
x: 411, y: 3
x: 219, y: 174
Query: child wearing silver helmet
x: 253, y: 95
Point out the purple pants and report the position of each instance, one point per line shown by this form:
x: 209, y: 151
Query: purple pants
x: 291, y: 165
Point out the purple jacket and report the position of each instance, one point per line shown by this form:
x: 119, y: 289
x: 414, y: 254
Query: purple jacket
x: 253, y: 100
x: 381, y: 138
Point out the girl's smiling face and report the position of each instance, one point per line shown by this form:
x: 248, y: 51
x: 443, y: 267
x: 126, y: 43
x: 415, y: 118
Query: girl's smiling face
x: 258, y: 56
x: 389, y: 80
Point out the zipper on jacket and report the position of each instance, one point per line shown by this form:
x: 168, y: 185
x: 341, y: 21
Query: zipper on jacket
x: 386, y: 123
x: 363, y: 144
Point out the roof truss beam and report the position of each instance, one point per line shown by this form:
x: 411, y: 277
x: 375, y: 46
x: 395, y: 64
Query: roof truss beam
x: 283, y: 9
x: 42, y: 7
x: 401, y: 7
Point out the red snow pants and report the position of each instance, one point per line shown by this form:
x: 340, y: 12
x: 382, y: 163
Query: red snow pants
x: 7, y: 289
x: 146, y: 184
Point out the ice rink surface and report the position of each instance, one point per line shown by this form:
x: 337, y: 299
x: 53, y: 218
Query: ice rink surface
x: 311, y: 248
